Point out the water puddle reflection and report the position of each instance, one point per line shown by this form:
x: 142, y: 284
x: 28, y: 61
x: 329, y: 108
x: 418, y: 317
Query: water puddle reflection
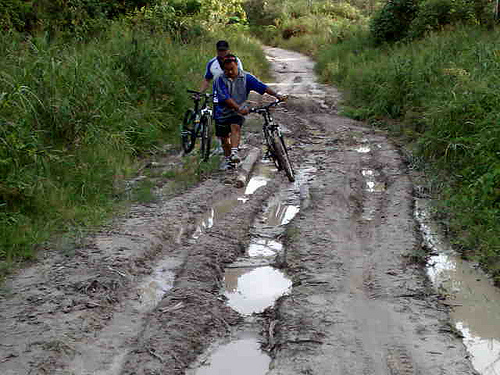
x: 251, y: 290
x: 475, y: 300
x: 375, y: 187
x: 363, y: 149
x: 255, y: 183
x: 207, y: 220
x: 280, y: 213
x: 240, y: 357
x: 372, y: 185
x: 155, y: 286
x: 264, y: 247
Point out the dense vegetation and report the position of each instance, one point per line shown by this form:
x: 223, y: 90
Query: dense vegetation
x: 77, y: 115
x: 87, y: 87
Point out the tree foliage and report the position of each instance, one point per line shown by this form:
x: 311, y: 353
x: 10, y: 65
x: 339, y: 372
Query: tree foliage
x: 392, y: 22
x: 400, y: 19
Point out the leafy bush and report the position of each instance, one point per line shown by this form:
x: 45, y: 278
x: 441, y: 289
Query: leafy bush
x: 263, y: 13
x: 338, y: 10
x: 17, y: 14
x: 392, y: 22
x: 186, y: 8
x: 435, y: 14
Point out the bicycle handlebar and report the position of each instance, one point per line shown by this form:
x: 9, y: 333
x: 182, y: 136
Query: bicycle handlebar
x: 264, y: 107
x: 200, y: 93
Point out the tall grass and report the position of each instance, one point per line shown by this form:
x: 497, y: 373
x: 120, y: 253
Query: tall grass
x: 306, y: 26
x: 443, y: 90
x: 74, y: 118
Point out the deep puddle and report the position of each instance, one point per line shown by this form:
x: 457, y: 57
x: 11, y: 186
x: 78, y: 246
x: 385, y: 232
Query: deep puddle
x: 280, y: 213
x: 242, y: 356
x: 475, y: 301
x: 251, y: 283
x: 250, y: 290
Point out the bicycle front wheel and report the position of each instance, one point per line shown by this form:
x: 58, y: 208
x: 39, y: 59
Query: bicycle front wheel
x: 188, y: 134
x: 271, y: 148
x: 206, y: 137
x: 282, y: 156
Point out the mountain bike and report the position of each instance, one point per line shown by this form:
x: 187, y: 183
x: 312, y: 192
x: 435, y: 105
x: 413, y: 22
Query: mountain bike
x: 197, y: 123
x: 275, y: 142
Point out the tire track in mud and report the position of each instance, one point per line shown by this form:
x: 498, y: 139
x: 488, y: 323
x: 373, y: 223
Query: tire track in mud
x: 194, y: 313
x: 82, y: 313
x: 351, y: 300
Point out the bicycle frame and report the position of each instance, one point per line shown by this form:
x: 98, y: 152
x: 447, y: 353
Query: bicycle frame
x: 269, y: 125
x: 205, y: 109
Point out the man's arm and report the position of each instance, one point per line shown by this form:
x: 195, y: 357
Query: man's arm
x: 204, y: 84
x: 207, y: 78
x: 256, y: 85
x: 239, y: 109
x: 277, y: 95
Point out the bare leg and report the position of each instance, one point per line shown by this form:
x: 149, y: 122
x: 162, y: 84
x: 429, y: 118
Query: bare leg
x: 226, y: 145
x: 235, y: 135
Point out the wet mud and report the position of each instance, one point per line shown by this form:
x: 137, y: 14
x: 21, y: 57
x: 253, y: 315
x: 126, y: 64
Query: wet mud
x: 312, y: 277
x: 470, y: 293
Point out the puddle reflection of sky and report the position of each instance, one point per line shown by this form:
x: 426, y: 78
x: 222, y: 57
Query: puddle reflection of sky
x: 251, y: 290
x: 255, y: 183
x: 485, y: 352
x: 264, y: 247
x: 240, y: 357
x: 153, y: 287
x: 475, y: 301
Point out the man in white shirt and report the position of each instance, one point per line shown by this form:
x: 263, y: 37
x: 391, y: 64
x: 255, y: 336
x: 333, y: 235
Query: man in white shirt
x: 213, y: 70
x: 214, y: 66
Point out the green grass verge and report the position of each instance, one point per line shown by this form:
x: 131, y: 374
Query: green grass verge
x: 75, y: 118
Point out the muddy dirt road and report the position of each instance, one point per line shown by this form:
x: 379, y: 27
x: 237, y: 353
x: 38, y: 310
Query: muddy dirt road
x: 166, y: 287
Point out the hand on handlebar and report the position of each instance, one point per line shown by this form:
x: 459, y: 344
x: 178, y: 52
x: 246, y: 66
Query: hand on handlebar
x: 281, y: 97
x: 244, y: 111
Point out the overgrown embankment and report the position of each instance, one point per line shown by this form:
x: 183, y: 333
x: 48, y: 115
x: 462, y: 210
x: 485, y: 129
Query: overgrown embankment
x: 442, y: 91
x: 77, y: 117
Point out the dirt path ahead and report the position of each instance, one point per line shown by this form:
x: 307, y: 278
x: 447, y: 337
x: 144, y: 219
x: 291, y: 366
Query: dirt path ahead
x: 142, y: 296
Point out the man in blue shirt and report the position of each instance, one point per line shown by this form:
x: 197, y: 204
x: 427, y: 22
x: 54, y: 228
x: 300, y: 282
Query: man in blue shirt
x: 231, y: 90
x: 213, y: 68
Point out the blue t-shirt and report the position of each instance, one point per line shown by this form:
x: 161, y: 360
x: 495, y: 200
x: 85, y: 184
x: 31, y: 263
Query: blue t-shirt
x: 236, y: 89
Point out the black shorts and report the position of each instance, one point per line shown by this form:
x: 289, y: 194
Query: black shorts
x: 223, y: 127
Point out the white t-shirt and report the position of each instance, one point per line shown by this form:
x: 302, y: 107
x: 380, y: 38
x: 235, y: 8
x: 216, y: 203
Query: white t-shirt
x: 213, y: 69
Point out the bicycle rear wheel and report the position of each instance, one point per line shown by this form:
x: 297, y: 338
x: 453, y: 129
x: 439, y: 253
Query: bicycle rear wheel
x: 188, y: 134
x: 282, y: 156
x: 206, y: 137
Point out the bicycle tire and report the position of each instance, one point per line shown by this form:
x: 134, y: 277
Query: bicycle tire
x: 206, y: 137
x: 271, y: 149
x: 188, y: 134
x: 282, y: 156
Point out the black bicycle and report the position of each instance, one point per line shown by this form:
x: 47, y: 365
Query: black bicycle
x: 276, y: 147
x: 197, y: 123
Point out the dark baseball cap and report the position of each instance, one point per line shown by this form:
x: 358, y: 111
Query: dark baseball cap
x: 222, y: 45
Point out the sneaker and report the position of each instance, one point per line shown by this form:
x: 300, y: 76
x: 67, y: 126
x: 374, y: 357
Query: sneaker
x: 227, y: 165
x: 234, y: 157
